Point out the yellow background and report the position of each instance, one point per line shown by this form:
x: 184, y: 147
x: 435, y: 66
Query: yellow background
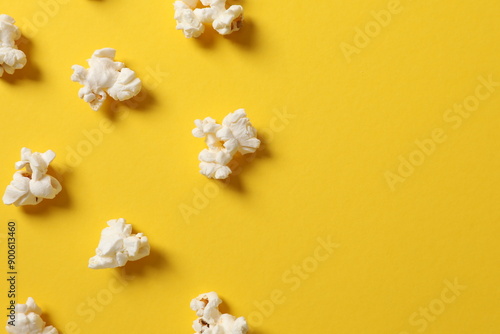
x: 321, y: 172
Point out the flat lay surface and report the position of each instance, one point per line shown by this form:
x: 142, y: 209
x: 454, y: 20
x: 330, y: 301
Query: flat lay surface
x: 371, y: 206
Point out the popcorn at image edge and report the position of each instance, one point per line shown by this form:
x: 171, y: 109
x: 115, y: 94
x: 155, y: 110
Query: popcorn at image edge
x: 32, y: 185
x: 192, y: 20
x: 11, y: 58
x: 105, y: 77
x: 236, y: 134
x: 118, y: 246
x: 28, y: 320
x: 211, y: 321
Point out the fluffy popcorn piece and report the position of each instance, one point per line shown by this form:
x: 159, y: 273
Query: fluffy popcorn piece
x: 206, y: 307
x: 191, y: 3
x: 225, y: 21
x: 118, y: 246
x: 192, y: 20
x: 211, y: 321
x: 236, y: 134
x: 11, y: 58
x: 187, y: 20
x: 237, y: 126
x: 207, y: 128
x: 32, y: 185
x: 28, y: 320
x: 105, y: 77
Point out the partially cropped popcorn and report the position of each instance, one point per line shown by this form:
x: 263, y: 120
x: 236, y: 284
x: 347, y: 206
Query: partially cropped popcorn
x: 11, y: 58
x: 192, y: 20
x: 105, y: 77
x: 32, y: 185
x: 236, y: 134
x: 211, y: 321
x: 27, y: 320
x: 118, y: 246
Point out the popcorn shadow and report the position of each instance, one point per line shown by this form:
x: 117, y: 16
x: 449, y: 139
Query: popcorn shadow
x: 254, y: 331
x: 142, y: 102
x: 62, y: 200
x: 30, y: 71
x: 224, y: 307
x: 207, y: 39
x: 245, y: 37
x: 111, y: 109
x: 155, y: 260
x: 46, y: 317
x: 241, y: 163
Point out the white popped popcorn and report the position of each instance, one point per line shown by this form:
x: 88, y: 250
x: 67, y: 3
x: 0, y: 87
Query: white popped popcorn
x: 105, y: 77
x: 211, y: 321
x: 187, y: 20
x: 237, y: 127
x: 236, y: 134
x: 31, y: 186
x: 118, y: 246
x: 225, y: 21
x: 11, y: 58
x: 192, y: 20
x: 28, y: 321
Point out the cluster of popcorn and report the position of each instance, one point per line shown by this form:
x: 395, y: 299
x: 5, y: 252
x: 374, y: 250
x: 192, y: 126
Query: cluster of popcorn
x: 11, y: 58
x: 236, y: 134
x: 105, y: 77
x: 192, y: 20
x: 118, y: 246
x: 32, y: 185
x: 211, y: 321
x: 28, y: 320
